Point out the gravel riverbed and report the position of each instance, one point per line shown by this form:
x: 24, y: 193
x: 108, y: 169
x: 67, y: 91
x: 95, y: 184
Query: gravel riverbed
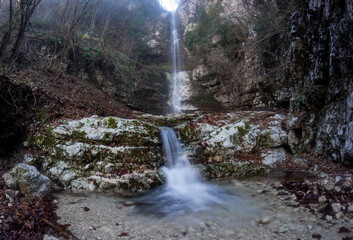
x: 256, y: 211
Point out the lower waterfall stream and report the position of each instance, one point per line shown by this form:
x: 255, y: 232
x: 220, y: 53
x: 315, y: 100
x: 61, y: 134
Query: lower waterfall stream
x: 184, y: 190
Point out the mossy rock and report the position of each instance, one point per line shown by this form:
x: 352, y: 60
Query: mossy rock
x: 169, y: 120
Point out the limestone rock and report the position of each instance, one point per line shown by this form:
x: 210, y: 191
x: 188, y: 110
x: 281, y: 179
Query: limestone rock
x: 28, y: 180
x: 272, y: 157
x: 336, y: 207
x: 101, y: 154
x: 322, y: 199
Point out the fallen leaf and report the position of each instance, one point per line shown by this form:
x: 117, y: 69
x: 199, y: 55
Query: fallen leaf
x: 343, y: 230
x: 316, y: 235
x: 123, y: 234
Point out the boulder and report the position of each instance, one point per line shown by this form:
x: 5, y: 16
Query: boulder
x: 28, y: 180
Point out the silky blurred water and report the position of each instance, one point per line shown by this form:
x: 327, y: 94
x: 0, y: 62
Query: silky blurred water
x: 184, y: 190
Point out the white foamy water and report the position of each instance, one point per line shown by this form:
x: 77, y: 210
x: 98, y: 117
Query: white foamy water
x: 182, y: 182
x: 184, y: 190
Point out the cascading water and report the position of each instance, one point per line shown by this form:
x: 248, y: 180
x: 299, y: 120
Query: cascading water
x: 183, y: 182
x: 184, y: 191
x: 176, y: 62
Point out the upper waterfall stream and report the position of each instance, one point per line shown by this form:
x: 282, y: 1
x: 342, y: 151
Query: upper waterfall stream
x: 176, y: 64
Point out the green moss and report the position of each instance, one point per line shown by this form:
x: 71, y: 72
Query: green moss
x: 249, y: 170
x: 43, y: 141
x: 185, y: 133
x: 106, y: 136
x: 242, y: 131
x: 179, y: 120
x: 111, y: 123
x: 99, y: 123
x: 78, y: 134
x: 265, y: 139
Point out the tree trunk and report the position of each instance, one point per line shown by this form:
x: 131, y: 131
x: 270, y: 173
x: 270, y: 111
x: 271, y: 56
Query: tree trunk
x: 7, y: 36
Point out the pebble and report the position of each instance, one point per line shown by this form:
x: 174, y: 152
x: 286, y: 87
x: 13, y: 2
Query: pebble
x: 338, y: 189
x: 351, y: 221
x: 310, y: 227
x: 330, y: 186
x: 336, y: 207
x: 315, y: 190
x: 350, y: 208
x: 338, y: 178
x: 322, y: 199
x: 265, y: 220
x: 339, y: 215
x: 50, y: 237
x: 328, y: 218
x: 240, y: 235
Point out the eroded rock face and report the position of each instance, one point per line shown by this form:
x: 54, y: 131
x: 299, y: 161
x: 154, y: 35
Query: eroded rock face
x: 324, y: 83
x: 101, y: 154
x: 28, y: 180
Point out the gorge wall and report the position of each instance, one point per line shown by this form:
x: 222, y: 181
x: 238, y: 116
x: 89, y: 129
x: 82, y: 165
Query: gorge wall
x: 294, y: 55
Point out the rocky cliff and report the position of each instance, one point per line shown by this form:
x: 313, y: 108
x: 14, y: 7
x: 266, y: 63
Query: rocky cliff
x: 295, y: 55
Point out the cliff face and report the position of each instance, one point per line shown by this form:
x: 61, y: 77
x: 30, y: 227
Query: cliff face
x: 296, y: 56
x: 321, y: 63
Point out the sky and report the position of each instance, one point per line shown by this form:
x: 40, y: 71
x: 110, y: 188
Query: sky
x: 169, y: 5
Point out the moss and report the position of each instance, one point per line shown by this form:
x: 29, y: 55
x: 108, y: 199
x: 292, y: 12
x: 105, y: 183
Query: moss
x: 185, y: 134
x: 242, y: 131
x: 264, y: 138
x: 181, y: 119
x: 43, y: 141
x: 220, y: 170
x: 111, y: 123
x: 106, y: 136
x: 249, y: 170
x: 78, y: 134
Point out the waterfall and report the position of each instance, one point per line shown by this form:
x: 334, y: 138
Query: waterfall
x: 184, y: 187
x: 184, y: 191
x: 176, y: 62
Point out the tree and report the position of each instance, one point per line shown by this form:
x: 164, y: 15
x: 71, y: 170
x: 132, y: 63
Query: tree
x: 7, y: 36
x: 26, y: 9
